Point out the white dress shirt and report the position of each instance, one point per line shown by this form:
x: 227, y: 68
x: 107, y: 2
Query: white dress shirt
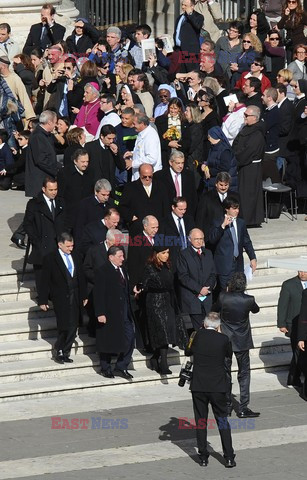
x: 147, y: 149
x: 65, y: 261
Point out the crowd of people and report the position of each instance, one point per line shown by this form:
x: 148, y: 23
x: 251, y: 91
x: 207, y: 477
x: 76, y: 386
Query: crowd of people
x: 143, y: 176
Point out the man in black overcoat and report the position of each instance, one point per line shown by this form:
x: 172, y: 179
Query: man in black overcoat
x: 196, y: 276
x: 210, y: 350
x: 115, y: 332
x: 234, y: 307
x: 95, y: 232
x: 179, y: 182
x: 44, y: 220
x: 302, y: 340
x: 229, y: 237
x: 145, y: 196
x: 45, y: 33
x: 63, y: 281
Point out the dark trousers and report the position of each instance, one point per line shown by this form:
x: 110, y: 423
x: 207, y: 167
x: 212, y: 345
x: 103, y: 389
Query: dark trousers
x: 67, y: 335
x: 19, y: 233
x: 243, y: 378
x: 198, y: 319
x: 38, y: 276
x: 269, y: 167
x: 295, y: 369
x: 217, y: 400
x: 124, y: 358
x: 224, y: 279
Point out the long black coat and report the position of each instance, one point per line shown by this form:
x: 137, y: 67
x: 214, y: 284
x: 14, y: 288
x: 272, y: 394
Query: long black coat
x: 234, y: 308
x: 89, y: 38
x: 161, y: 123
x: 95, y: 258
x: 286, y: 110
x: 103, y: 162
x: 54, y: 285
x: 139, y: 251
x: 193, y: 274
x: 41, y: 229
x: 164, y: 327
x: 188, y: 187
x: 111, y: 300
x: 40, y: 161
x: 302, y: 321
x: 73, y: 187
x: 289, y: 304
x: 89, y: 211
x: 93, y: 234
x: 54, y: 34
x: 135, y: 201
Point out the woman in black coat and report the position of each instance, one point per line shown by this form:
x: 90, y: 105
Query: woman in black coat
x: 25, y: 70
x: 275, y: 56
x: 209, y: 117
x: 163, y: 329
x: 195, y: 154
x: 173, y: 117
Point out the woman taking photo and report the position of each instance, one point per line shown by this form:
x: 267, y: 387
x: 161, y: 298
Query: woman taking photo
x: 293, y: 20
x: 209, y: 116
x: 164, y: 327
x: 251, y: 48
x: 173, y: 130
x: 275, y: 55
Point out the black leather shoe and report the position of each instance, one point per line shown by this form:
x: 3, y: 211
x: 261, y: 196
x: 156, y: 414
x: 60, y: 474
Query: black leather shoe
x: 203, y: 462
x: 230, y: 463
x: 123, y: 373
x: 106, y: 374
x: 19, y: 243
x: 294, y: 381
x: 247, y: 413
x: 166, y: 372
x: 67, y: 359
x: 59, y: 359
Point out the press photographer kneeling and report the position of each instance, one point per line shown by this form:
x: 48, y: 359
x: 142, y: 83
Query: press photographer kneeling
x: 209, y: 385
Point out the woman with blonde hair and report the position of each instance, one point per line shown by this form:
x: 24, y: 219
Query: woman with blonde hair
x: 251, y: 48
x: 285, y: 76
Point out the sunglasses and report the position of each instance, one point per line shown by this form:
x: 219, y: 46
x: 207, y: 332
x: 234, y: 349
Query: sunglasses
x: 146, y: 177
x: 246, y: 41
x: 292, y: 1
x: 274, y: 38
x: 257, y: 64
x: 248, y: 115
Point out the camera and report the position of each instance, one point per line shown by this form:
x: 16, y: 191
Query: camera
x: 185, y: 374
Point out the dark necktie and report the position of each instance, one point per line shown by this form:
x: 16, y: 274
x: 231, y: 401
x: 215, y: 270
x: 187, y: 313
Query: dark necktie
x: 121, y: 277
x: 5, y: 46
x: 235, y: 240
x: 183, y: 241
x: 52, y: 209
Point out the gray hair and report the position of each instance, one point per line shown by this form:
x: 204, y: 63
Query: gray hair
x: 140, y: 107
x: 115, y: 30
x: 146, y: 220
x: 113, y: 234
x: 93, y: 89
x: 256, y: 111
x: 103, y: 184
x: 176, y: 154
x: 47, y: 116
x: 142, y: 118
x: 212, y: 83
x: 212, y: 320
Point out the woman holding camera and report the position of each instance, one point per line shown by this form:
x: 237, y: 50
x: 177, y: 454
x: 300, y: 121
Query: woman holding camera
x: 293, y: 20
x: 164, y: 327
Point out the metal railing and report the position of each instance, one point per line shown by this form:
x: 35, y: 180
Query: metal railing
x: 103, y: 13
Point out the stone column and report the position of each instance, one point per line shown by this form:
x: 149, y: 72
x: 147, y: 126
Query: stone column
x: 21, y: 14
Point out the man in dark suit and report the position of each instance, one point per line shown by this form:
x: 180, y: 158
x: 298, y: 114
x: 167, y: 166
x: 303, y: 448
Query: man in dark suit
x: 64, y: 283
x: 272, y: 122
x: 104, y: 155
x: 186, y: 35
x: 252, y: 90
x: 145, y: 196
x: 93, y: 207
x: 179, y: 182
x: 196, y: 276
x: 44, y: 220
x: 210, y: 349
x: 174, y: 229
x: 41, y: 155
x: 234, y: 307
x: 302, y: 339
x: 229, y: 237
x: 46, y: 33
x: 210, y: 204
x: 286, y: 112
x: 95, y: 232
x: 288, y: 309
x: 115, y: 332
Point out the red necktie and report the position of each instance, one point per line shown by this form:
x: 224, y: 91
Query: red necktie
x: 199, y: 251
x: 177, y: 187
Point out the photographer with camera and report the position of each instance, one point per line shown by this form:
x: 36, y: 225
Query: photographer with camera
x: 210, y: 349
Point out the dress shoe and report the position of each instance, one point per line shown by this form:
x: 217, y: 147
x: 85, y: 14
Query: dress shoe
x: 203, y: 462
x: 67, y: 359
x: 294, y: 381
x: 59, y: 359
x: 230, y: 463
x: 166, y: 371
x: 123, y: 373
x: 247, y: 413
x: 19, y: 243
x: 106, y: 374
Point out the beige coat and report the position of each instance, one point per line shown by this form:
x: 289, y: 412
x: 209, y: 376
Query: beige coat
x: 211, y: 10
x: 19, y: 91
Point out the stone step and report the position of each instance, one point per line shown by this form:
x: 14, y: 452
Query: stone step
x: 14, y: 291
x: 90, y: 381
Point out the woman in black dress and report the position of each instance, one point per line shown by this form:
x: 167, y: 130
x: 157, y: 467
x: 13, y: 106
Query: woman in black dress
x: 164, y: 326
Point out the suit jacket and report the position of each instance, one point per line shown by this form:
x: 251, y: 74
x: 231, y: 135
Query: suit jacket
x: 90, y: 210
x: 302, y: 321
x: 95, y: 258
x: 111, y: 299
x: 189, y: 32
x: 209, y: 349
x: 235, y: 308
x: 135, y: 201
x: 54, y: 34
x: 195, y: 272
x: 41, y: 228
x: 93, y: 234
x: 289, y: 304
x: 55, y: 284
x: 188, y: 187
x: 286, y: 121
x: 169, y: 235
x: 103, y: 162
x: 223, y: 244
x: 139, y: 251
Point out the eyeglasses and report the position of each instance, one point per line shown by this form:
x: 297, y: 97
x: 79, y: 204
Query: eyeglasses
x: 233, y: 30
x: 246, y: 41
x: 292, y: 1
x: 274, y: 38
x: 146, y: 177
x: 301, y: 53
x: 249, y: 115
x: 257, y: 64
